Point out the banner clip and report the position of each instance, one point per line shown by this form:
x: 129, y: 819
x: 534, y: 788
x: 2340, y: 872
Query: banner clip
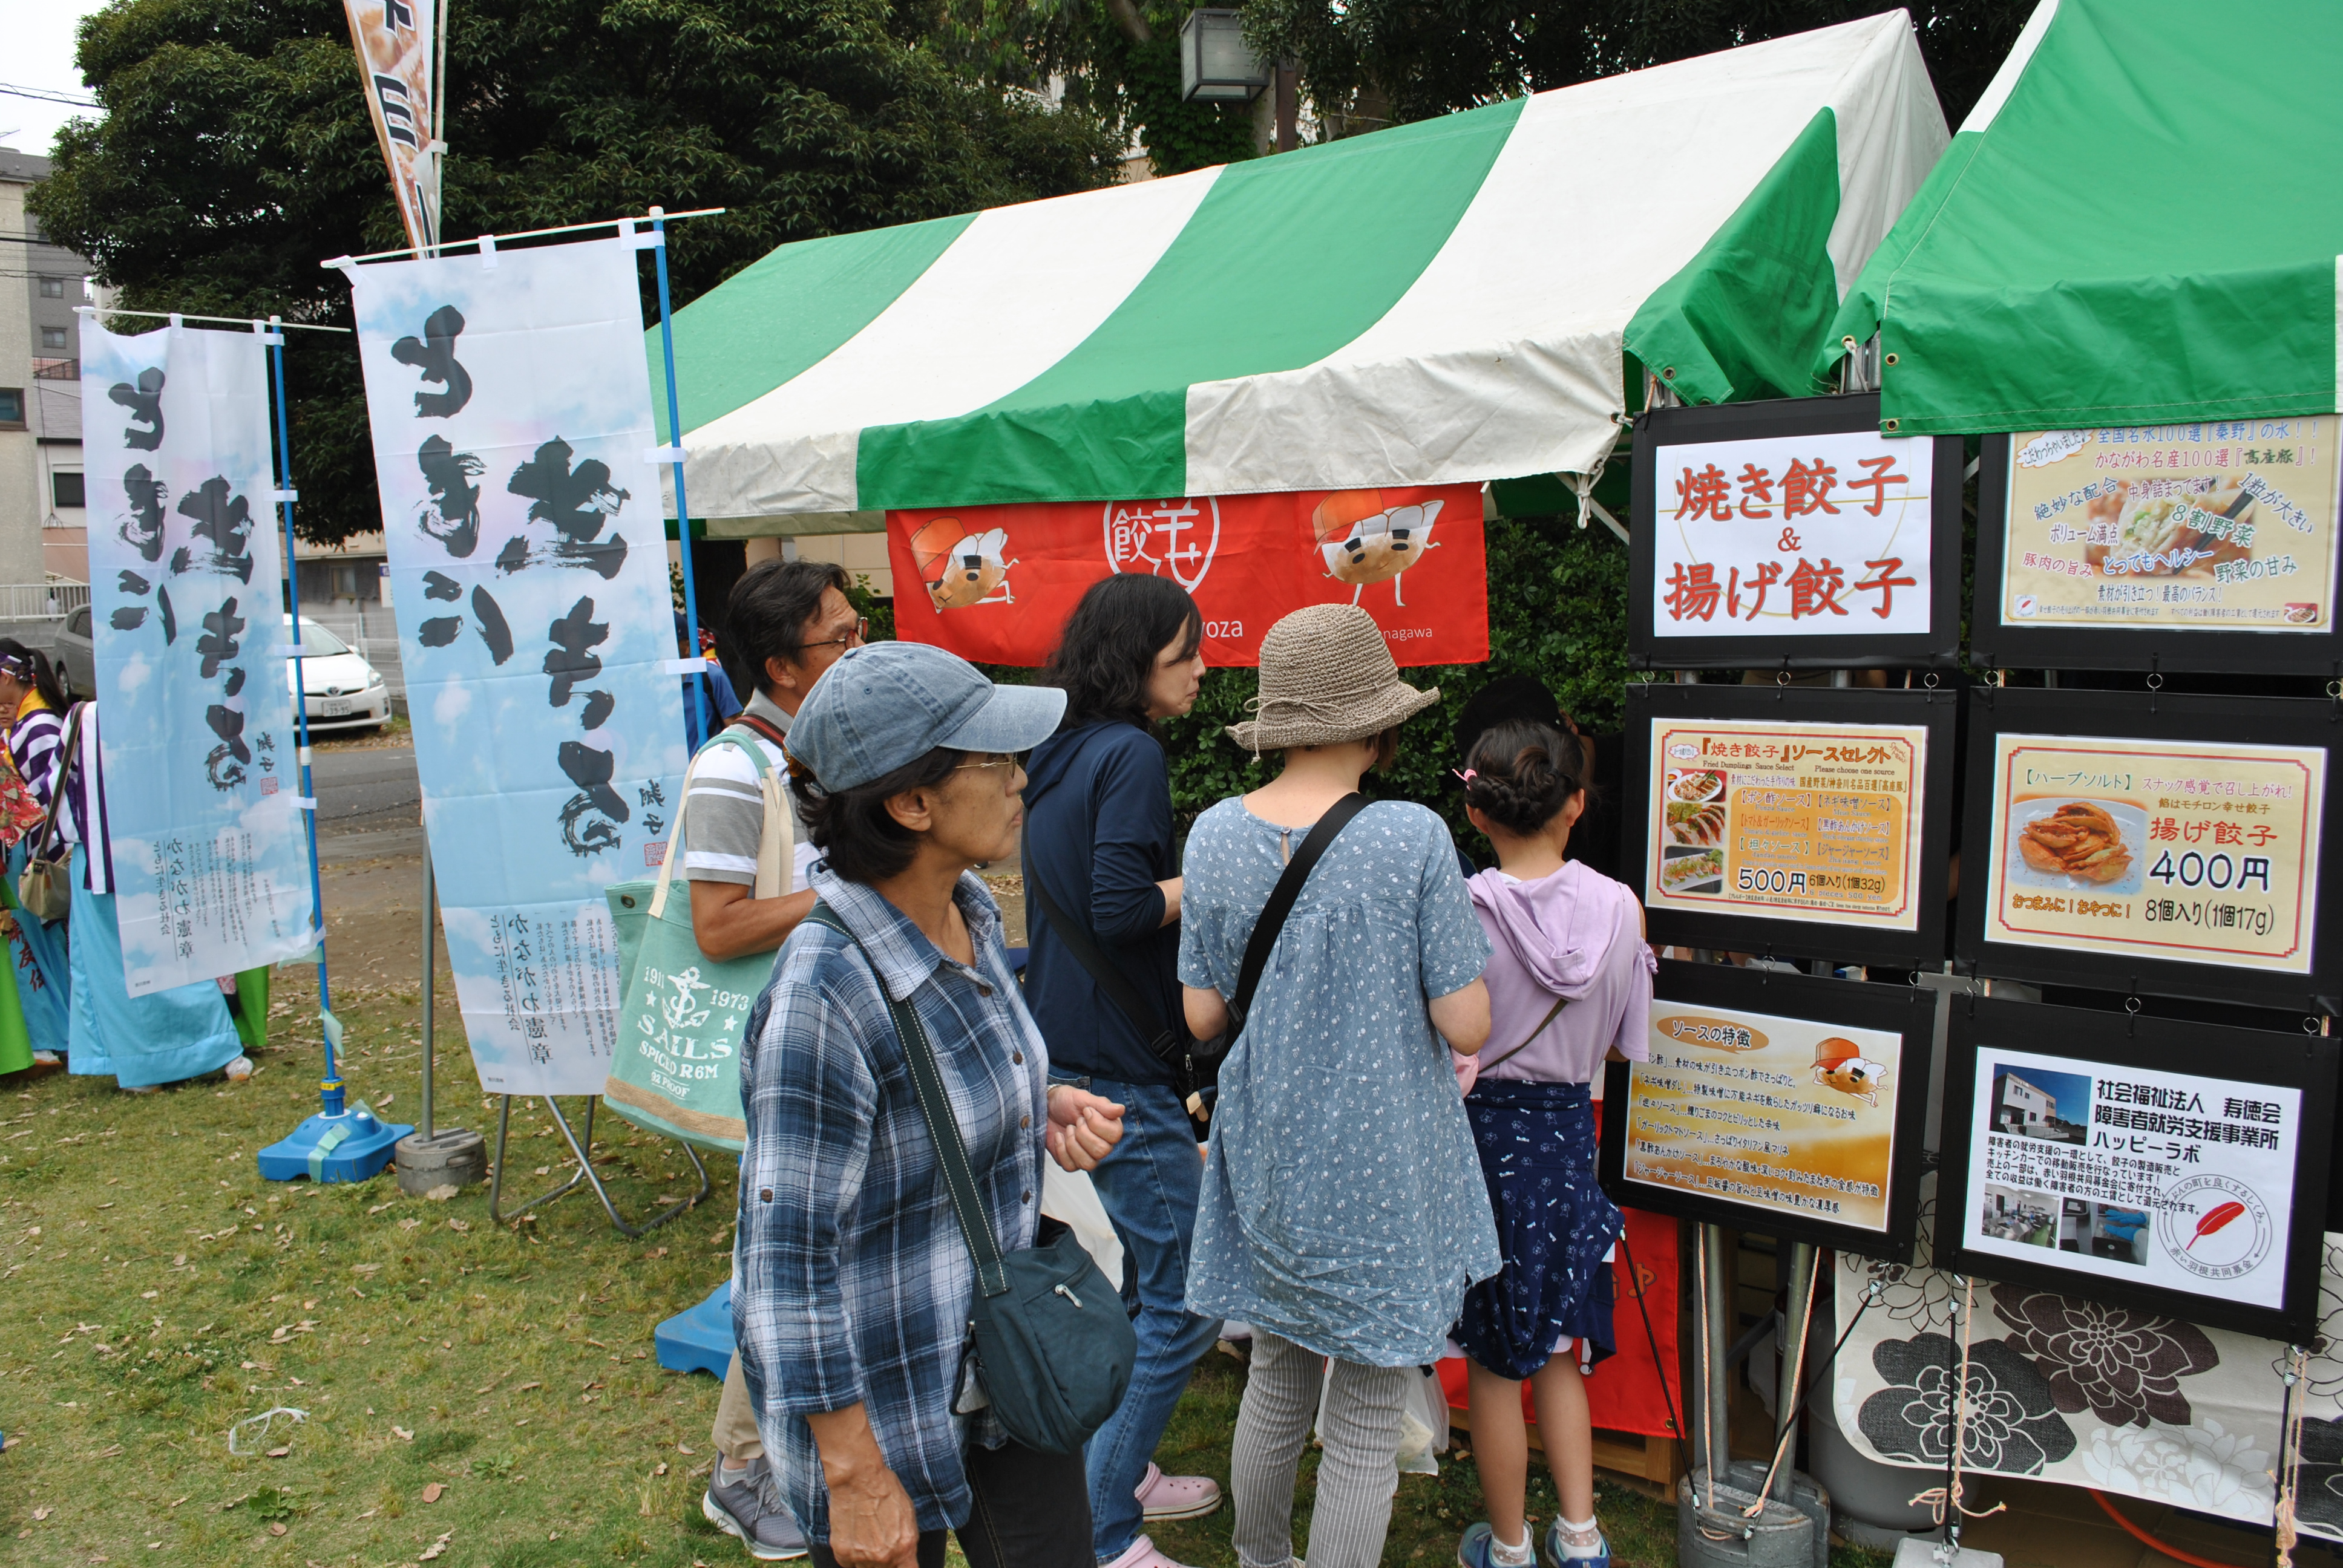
x: 684, y: 666
x: 656, y: 455
x: 283, y: 497
x: 282, y: 650
x: 277, y: 338
x: 652, y: 239
x: 305, y: 802
x: 488, y: 253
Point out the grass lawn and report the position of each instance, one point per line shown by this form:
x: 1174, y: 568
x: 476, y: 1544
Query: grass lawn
x: 485, y: 1390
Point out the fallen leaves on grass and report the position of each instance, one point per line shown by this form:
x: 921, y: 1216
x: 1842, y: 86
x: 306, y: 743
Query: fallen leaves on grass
x: 436, y: 1547
x: 401, y: 1433
x: 433, y: 1493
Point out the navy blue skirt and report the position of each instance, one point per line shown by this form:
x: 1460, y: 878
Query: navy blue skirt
x: 1554, y: 1226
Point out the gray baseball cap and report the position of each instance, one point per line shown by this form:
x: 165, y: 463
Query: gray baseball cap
x: 887, y: 704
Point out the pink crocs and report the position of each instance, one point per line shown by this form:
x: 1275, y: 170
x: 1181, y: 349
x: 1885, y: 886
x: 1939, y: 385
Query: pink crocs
x: 1141, y: 1554
x: 1165, y: 1496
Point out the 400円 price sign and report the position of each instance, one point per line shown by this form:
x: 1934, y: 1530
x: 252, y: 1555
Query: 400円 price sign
x: 1749, y: 816
x: 2156, y: 848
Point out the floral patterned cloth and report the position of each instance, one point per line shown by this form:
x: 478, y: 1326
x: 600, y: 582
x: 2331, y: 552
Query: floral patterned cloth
x: 2069, y: 1391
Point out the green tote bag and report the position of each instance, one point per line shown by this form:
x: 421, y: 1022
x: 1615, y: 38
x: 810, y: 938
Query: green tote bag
x: 677, y: 1067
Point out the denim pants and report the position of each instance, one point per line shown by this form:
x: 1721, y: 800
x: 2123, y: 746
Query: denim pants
x: 1149, y: 1185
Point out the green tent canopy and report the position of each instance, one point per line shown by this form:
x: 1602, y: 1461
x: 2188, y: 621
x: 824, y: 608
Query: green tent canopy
x: 2137, y: 226
x: 1441, y: 302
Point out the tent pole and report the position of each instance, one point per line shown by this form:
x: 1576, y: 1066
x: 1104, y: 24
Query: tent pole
x: 696, y: 714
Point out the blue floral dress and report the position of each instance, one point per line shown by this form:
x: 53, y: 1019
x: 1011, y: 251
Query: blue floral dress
x: 1343, y: 1205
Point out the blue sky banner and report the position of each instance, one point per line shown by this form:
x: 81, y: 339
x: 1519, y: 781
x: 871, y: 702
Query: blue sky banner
x: 211, y: 861
x: 511, y: 421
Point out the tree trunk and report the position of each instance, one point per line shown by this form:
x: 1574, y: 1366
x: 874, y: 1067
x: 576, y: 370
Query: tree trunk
x: 1127, y: 17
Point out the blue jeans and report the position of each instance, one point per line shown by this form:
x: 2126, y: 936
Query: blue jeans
x: 1149, y: 1185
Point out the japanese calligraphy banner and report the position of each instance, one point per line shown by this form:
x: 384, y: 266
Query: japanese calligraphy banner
x: 1791, y: 537
x: 1761, y: 816
x: 2222, y: 527
x: 394, y: 43
x: 511, y: 418
x: 210, y: 861
x: 2165, y: 850
x: 999, y: 582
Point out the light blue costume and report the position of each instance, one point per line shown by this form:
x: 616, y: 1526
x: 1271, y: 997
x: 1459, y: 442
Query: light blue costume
x: 1343, y: 1205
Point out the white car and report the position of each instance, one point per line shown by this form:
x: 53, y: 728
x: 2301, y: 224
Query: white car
x: 340, y: 689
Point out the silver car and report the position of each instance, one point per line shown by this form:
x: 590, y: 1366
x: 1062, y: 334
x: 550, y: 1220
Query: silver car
x: 343, y: 690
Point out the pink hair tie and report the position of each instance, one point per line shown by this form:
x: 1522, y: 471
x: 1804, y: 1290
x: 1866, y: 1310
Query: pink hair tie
x: 1467, y: 776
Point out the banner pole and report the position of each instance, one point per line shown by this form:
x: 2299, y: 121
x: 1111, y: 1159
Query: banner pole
x: 330, y: 1092
x: 697, y: 715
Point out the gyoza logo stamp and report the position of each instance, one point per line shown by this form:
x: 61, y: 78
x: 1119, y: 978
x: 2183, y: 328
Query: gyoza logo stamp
x: 2216, y: 1227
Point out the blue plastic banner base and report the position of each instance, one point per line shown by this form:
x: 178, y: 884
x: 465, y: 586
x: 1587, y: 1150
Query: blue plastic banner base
x: 350, y: 1147
x: 698, y: 1339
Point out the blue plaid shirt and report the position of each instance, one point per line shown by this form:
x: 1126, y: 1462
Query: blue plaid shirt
x: 851, y: 1281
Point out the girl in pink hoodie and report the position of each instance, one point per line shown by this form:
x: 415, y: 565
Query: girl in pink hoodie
x: 1570, y: 984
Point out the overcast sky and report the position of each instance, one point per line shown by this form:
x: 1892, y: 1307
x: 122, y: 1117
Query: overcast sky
x: 40, y: 54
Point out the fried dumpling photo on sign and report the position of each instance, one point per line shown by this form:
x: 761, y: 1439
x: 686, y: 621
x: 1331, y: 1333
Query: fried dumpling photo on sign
x: 1364, y: 541
x: 961, y: 569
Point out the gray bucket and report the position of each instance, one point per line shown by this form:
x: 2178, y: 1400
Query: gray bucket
x: 1784, y: 1535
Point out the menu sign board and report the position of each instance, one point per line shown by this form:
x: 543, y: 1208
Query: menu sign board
x: 1793, y: 532
x: 1804, y: 806
x: 1775, y: 1102
x: 2209, y: 546
x: 2173, y: 853
x: 2120, y: 1166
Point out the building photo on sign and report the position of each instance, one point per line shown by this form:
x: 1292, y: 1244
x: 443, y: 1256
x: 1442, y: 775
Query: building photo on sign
x: 1822, y: 818
x: 1781, y: 1115
x: 2183, y: 1181
x: 2228, y: 525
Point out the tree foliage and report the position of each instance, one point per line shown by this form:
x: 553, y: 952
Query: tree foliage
x: 234, y: 152
x: 1365, y: 63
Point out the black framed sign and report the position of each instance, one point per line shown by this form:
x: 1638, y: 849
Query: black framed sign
x: 2202, y: 547
x: 2151, y: 843
x: 1779, y: 1103
x: 1793, y: 534
x: 1791, y: 820
x: 2176, y: 1167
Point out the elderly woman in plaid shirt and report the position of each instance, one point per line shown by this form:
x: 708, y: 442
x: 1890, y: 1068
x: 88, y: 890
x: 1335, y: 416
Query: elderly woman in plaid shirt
x: 852, y: 1282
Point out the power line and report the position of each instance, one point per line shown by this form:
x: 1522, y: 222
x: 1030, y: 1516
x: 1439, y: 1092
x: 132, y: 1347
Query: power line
x: 48, y: 95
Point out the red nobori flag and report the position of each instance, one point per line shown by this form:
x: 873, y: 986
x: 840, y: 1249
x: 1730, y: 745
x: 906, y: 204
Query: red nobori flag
x: 995, y: 584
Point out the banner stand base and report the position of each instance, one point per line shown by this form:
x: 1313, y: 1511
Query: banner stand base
x: 351, y: 1146
x: 585, y: 1171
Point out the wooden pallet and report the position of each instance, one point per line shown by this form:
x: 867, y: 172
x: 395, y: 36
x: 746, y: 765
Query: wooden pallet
x: 1651, y: 1466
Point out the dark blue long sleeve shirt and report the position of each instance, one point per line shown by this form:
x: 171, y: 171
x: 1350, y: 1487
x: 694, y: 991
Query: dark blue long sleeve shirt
x: 1098, y: 814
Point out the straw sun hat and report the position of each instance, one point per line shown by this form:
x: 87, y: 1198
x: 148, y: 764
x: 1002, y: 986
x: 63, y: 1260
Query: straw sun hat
x: 1327, y: 676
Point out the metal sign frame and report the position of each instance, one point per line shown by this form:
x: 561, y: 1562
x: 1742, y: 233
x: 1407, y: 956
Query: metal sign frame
x: 1784, y: 932
x: 2151, y: 716
x: 2123, y: 1042
x: 1908, y: 1011
x: 1857, y: 413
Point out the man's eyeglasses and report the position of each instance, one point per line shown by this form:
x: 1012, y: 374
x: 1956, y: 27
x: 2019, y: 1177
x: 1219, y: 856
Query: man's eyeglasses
x: 1010, y: 762
x: 855, y: 639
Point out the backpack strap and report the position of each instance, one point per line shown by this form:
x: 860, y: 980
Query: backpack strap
x: 1281, y: 898
x: 935, y: 1110
x: 775, y: 848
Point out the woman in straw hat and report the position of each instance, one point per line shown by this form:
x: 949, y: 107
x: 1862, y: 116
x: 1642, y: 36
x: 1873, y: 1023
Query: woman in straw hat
x: 1342, y: 1213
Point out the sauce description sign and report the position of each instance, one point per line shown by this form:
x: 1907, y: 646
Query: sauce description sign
x: 2164, y: 850
x: 1753, y: 817
x: 2179, y: 1182
x: 2221, y: 527
x: 1783, y: 1115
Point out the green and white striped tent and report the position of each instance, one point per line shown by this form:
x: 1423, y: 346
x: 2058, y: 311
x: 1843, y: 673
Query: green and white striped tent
x: 2136, y: 225
x: 1448, y: 301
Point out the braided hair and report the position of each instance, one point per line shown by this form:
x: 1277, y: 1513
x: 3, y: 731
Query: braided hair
x: 1521, y: 774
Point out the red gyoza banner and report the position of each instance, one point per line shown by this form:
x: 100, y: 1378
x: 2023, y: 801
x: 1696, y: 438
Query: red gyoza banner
x: 995, y: 584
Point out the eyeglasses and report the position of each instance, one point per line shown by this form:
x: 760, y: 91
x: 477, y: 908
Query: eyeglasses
x: 992, y: 762
x: 860, y: 634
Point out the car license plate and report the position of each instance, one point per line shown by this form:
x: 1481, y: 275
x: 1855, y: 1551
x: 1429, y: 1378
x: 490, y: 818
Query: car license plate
x: 337, y: 707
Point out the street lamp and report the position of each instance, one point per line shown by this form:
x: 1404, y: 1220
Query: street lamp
x: 1215, y: 65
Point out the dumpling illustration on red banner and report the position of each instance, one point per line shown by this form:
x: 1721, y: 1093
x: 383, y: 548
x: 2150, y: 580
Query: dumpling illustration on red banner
x: 1366, y: 541
x: 961, y: 566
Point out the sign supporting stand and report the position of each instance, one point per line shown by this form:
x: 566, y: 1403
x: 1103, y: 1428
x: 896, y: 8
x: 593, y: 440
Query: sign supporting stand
x: 585, y: 1171
x: 699, y: 714
x: 338, y: 1144
x: 429, y: 1158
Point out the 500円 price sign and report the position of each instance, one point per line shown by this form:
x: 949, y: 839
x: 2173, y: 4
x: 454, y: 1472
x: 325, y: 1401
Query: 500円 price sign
x: 2177, y: 1167
x: 1791, y: 820
x: 1775, y: 1102
x: 2171, y: 844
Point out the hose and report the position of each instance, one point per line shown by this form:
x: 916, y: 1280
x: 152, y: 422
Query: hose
x: 2145, y: 1539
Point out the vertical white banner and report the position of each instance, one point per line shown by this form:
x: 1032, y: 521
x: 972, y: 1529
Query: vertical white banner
x: 510, y: 405
x: 211, y: 861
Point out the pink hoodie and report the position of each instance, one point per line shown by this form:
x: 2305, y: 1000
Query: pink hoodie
x: 1576, y: 934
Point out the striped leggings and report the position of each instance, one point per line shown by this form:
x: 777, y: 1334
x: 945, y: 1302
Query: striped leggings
x: 1356, y: 1477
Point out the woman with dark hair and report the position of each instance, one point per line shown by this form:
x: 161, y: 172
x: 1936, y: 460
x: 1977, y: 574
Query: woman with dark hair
x: 1570, y: 983
x: 853, y: 1284
x: 1099, y: 857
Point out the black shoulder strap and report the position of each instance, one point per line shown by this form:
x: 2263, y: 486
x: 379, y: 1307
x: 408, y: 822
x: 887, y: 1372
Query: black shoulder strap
x: 935, y: 1110
x: 1280, y: 901
x: 1164, y: 1041
x: 764, y: 727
